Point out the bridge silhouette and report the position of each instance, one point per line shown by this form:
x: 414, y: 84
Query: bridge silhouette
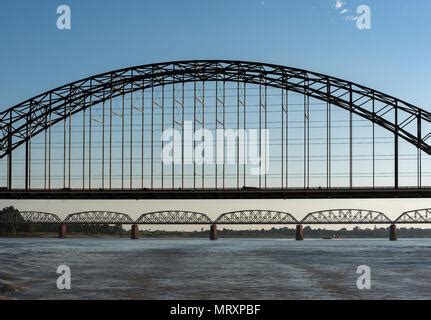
x: 215, y: 129
x: 242, y: 217
x: 102, y: 137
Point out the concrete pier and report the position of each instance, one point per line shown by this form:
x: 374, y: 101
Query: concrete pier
x: 62, y: 231
x: 134, y: 232
x: 393, y: 232
x: 213, y: 232
x: 299, y: 234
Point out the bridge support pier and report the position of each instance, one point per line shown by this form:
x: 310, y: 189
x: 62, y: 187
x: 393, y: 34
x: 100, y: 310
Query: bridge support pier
x: 213, y: 232
x: 62, y: 231
x: 393, y: 232
x: 299, y: 234
x: 134, y: 232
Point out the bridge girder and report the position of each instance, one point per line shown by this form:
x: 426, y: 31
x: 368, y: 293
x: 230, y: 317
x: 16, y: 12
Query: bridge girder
x: 346, y: 216
x: 256, y: 217
x: 98, y: 217
x: 29, y: 217
x: 415, y: 216
x: 174, y: 217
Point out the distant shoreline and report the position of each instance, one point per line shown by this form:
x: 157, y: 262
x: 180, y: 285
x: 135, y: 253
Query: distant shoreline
x: 55, y: 235
x: 176, y: 236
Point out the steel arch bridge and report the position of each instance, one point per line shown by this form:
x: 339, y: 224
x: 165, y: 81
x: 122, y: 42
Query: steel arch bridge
x: 346, y: 216
x: 173, y: 217
x: 98, y: 217
x: 256, y: 217
x: 314, y: 136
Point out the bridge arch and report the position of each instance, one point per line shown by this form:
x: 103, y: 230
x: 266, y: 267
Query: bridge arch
x: 98, y: 217
x: 27, y: 120
x: 415, y: 216
x: 29, y: 217
x: 173, y: 217
x: 346, y: 216
x: 256, y: 217
x: 30, y: 115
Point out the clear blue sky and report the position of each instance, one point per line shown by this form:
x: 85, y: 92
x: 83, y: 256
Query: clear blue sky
x: 394, y: 56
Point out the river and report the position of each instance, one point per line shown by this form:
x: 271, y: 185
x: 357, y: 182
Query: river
x: 111, y: 268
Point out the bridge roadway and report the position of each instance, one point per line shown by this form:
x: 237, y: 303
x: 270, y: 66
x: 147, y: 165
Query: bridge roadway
x: 227, y: 193
x: 241, y: 217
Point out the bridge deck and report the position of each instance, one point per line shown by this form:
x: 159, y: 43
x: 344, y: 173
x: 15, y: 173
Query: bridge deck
x: 269, y: 193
